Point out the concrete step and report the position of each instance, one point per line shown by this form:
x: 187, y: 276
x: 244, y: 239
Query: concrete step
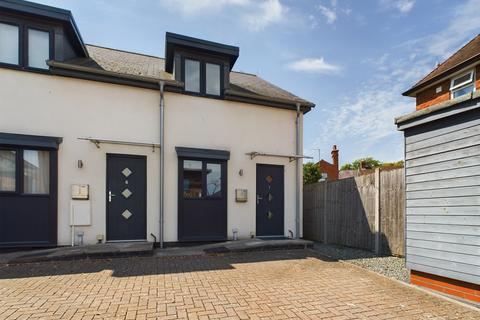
x: 80, y: 252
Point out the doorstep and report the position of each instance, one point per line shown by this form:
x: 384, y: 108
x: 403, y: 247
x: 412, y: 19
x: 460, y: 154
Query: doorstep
x: 79, y: 252
x: 235, y: 246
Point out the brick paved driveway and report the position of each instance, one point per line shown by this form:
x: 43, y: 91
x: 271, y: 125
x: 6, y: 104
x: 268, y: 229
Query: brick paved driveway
x: 262, y: 285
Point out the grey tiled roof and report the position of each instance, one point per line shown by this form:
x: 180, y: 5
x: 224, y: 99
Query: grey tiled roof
x: 136, y: 64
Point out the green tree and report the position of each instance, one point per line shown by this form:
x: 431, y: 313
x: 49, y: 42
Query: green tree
x: 311, y: 173
x: 368, y: 162
x: 398, y: 164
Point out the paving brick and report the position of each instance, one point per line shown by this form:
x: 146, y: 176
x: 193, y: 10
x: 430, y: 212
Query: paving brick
x: 256, y: 285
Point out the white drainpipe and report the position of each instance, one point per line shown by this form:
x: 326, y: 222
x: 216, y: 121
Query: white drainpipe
x: 297, y: 173
x: 162, y: 158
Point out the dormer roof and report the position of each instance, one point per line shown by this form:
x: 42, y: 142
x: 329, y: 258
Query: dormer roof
x: 174, y: 40
x: 43, y: 11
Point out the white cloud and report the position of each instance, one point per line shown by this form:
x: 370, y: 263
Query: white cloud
x: 255, y: 14
x: 266, y: 13
x: 365, y: 119
x: 191, y: 7
x: 329, y: 14
x: 403, y: 6
x: 314, y: 65
x: 464, y: 24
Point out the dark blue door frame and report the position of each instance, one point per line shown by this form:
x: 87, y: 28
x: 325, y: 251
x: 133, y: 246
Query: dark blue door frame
x: 270, y: 201
x: 126, y: 198
x: 203, y: 218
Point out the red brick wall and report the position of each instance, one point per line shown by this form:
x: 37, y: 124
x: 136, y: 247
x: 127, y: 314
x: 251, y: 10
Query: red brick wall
x: 330, y: 169
x: 453, y: 287
x: 429, y: 97
x: 477, y: 75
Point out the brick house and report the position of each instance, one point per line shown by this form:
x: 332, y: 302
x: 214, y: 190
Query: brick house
x: 442, y: 176
x: 330, y: 169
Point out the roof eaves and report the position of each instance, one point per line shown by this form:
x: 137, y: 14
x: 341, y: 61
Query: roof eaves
x: 404, y: 120
x: 72, y: 67
x: 306, y: 106
x: 420, y: 85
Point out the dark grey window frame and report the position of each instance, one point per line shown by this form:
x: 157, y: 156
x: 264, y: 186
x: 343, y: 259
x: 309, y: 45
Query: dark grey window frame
x: 20, y: 45
x: 203, y: 75
x: 50, y: 46
x: 184, y: 76
x: 23, y: 28
x: 204, y: 162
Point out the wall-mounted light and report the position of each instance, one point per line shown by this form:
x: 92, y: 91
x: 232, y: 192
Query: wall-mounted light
x: 80, y: 164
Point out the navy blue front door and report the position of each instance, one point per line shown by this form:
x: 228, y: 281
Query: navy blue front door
x: 270, y: 200
x: 126, y: 197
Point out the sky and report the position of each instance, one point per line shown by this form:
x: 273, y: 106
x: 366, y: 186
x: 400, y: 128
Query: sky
x: 352, y: 58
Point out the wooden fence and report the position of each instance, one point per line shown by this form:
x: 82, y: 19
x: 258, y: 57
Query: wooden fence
x: 362, y: 212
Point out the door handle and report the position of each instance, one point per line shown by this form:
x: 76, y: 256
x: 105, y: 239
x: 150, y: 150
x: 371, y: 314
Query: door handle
x: 258, y: 199
x: 110, y: 195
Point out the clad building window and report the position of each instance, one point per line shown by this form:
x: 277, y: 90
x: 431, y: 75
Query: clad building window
x: 38, y: 48
x: 463, y: 84
x: 9, y: 44
x: 202, y: 78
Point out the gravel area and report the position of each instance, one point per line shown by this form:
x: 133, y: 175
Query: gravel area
x: 393, y: 267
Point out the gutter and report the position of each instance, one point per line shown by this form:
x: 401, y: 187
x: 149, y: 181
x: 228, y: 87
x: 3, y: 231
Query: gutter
x: 288, y: 103
x: 170, y: 85
x: 101, y: 72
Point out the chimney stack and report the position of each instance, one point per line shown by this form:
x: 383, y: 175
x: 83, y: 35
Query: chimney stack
x: 335, y: 161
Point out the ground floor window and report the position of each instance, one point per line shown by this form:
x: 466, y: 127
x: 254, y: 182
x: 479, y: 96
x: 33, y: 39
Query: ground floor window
x: 36, y: 171
x: 25, y: 171
x: 28, y: 190
x: 7, y: 170
x: 202, y: 179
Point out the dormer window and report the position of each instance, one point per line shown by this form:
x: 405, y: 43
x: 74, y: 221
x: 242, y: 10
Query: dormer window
x: 26, y: 47
x: 212, y: 79
x: 9, y: 44
x: 202, y: 77
x: 203, y: 66
x: 38, y: 48
x: 192, y: 75
x: 462, y: 84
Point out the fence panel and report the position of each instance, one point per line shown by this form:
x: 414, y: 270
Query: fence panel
x: 345, y: 210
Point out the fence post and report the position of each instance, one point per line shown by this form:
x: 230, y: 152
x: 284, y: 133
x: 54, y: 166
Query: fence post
x: 377, y: 212
x: 325, y: 229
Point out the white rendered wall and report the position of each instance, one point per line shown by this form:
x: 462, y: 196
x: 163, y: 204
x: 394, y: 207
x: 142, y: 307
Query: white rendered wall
x: 71, y: 108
